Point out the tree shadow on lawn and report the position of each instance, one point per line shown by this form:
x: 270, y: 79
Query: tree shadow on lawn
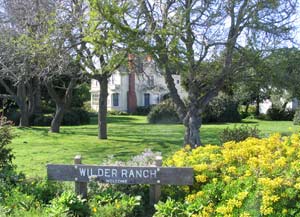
x: 216, y: 123
x: 43, y: 130
x: 122, y: 119
x: 210, y: 136
x: 249, y: 121
x: 120, y: 130
x: 149, y: 142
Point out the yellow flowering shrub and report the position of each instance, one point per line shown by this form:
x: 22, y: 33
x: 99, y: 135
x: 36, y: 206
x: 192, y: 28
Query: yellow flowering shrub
x: 255, y: 177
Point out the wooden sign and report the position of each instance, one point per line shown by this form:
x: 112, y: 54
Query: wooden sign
x: 155, y: 176
x: 121, y: 175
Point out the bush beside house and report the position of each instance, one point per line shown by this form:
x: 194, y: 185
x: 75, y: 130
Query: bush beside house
x: 221, y: 109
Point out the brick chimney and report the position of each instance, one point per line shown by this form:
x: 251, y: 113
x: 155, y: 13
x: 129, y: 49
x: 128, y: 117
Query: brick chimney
x: 131, y: 95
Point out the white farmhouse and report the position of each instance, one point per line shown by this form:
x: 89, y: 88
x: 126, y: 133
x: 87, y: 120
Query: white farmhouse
x: 127, y: 90
x: 267, y: 104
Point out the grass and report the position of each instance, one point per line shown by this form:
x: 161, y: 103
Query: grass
x: 127, y: 136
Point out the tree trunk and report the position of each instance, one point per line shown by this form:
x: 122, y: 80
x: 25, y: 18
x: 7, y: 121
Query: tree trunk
x: 192, y: 125
x: 61, y: 102
x: 102, y: 112
x: 247, y: 108
x: 257, y: 105
x: 58, y: 117
x: 23, y: 105
x: 37, y: 107
x: 24, y: 119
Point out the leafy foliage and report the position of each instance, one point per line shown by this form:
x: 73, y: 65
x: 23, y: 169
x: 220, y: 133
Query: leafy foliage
x: 222, y: 109
x: 170, y: 208
x: 6, y: 155
x: 110, y: 203
x: 238, y: 134
x: 76, y: 116
x: 70, y: 205
x: 143, y: 110
x: 163, y: 113
x: 116, y: 112
x: 43, y: 191
x: 277, y: 114
x: 41, y: 120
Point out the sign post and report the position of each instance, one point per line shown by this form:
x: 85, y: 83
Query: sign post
x: 155, y: 190
x: 80, y: 187
x: 153, y: 175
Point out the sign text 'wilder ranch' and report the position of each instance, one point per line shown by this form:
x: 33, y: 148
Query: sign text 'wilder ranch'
x: 121, y: 175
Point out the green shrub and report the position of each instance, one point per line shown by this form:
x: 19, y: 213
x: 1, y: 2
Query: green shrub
x: 223, y: 108
x: 41, y: 120
x: 42, y: 190
x: 71, y: 119
x: 6, y: 155
x: 250, y: 112
x: 110, y: 203
x: 84, y: 116
x: 264, y: 117
x: 170, y: 208
x: 68, y: 204
x: 277, y: 114
x: 48, y: 108
x: 33, y: 212
x: 27, y: 197
x: 14, y: 116
x: 76, y: 116
x: 238, y: 134
x: 296, y: 119
x: 142, y: 110
x: 87, y: 107
x: 81, y: 94
x: 5, y: 189
x: 17, y: 200
x: 4, y: 211
x: 116, y: 112
x: 163, y: 113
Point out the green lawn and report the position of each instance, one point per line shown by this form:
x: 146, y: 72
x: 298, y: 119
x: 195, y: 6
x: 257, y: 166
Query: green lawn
x: 127, y: 136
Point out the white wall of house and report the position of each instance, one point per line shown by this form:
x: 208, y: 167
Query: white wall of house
x: 150, y: 87
x: 267, y: 104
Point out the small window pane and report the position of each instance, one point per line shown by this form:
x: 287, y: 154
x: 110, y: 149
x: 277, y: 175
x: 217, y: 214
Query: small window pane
x: 115, y: 97
x: 146, y: 99
x: 95, y: 98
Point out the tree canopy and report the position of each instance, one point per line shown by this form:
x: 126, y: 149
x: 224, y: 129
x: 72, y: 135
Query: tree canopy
x: 192, y: 32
